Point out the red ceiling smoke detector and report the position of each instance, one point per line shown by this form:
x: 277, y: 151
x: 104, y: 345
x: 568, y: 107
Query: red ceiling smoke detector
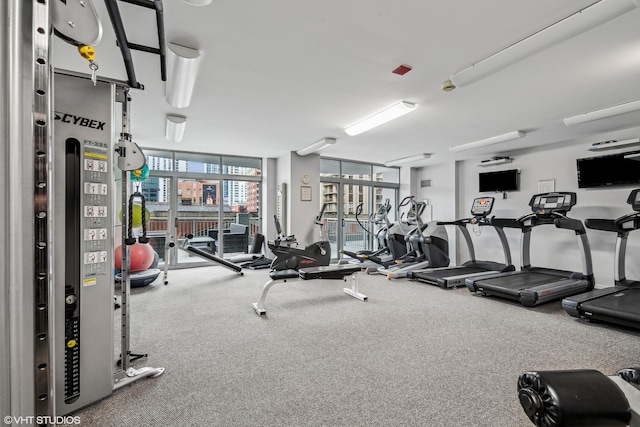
x: 402, y: 70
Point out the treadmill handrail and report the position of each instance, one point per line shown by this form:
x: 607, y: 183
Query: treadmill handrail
x: 506, y: 223
x: 603, y: 225
x: 464, y: 221
x: 622, y: 224
x: 570, y: 224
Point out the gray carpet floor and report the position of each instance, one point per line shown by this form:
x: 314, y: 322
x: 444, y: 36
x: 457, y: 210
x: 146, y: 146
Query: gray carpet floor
x: 413, y: 355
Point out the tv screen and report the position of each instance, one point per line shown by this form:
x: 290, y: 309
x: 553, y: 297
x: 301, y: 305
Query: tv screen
x: 612, y: 169
x: 506, y: 180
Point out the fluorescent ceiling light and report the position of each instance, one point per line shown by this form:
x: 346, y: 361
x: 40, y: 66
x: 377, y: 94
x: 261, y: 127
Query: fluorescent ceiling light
x: 409, y: 159
x: 396, y: 110
x: 493, y: 140
x: 316, y: 146
x: 616, y: 110
x: 614, y: 145
x: 182, y: 69
x: 581, y: 21
x: 634, y: 156
x: 174, y: 130
x: 496, y: 161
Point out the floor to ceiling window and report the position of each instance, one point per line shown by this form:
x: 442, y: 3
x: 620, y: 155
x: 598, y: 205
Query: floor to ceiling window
x: 353, y: 191
x: 213, y: 198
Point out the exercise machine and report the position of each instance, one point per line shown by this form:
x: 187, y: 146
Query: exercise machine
x: 61, y: 155
x: 255, y: 259
x: 394, y: 236
x: 328, y: 272
x: 310, y: 263
x: 427, y: 245
x: 380, y: 219
x: 83, y: 308
x: 454, y: 276
x: 209, y: 256
x: 536, y: 285
x: 289, y: 257
x: 619, y: 304
x: 581, y: 397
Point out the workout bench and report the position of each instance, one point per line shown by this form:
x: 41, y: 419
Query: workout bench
x: 312, y: 273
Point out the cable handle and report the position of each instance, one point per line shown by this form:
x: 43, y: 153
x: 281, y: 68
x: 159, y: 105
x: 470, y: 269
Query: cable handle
x: 130, y: 240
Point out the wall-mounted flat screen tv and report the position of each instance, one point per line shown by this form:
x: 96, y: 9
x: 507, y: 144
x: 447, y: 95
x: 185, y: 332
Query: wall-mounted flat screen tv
x: 506, y: 180
x: 612, y: 169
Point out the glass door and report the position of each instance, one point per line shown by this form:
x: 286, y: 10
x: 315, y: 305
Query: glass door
x: 241, y: 217
x: 157, y: 193
x: 348, y: 220
x: 356, y: 208
x: 332, y: 211
x: 351, y: 189
x: 198, y: 213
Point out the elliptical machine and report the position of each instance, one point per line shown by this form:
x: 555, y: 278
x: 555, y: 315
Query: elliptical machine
x: 380, y: 219
x: 427, y: 245
x: 394, y: 236
x: 289, y: 257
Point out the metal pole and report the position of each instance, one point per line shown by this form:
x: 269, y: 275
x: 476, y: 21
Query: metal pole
x: 125, y: 282
x: 42, y: 155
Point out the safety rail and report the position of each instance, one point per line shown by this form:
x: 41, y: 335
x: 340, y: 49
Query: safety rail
x: 354, y: 236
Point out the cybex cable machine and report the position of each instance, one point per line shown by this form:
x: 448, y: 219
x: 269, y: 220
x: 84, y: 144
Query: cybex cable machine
x: 84, y: 160
x: 59, y: 157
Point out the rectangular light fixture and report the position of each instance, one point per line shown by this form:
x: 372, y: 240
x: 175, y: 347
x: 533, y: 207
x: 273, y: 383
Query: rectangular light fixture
x: 603, y: 114
x: 488, y: 141
x: 634, y: 156
x: 393, y: 112
x: 581, y: 21
x: 495, y: 161
x: 174, y: 130
x: 409, y: 159
x: 316, y: 146
x: 615, y: 145
x: 182, y: 69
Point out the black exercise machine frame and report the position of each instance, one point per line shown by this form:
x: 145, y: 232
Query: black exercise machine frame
x: 446, y: 277
x: 543, y: 292
x: 126, y: 46
x: 573, y: 305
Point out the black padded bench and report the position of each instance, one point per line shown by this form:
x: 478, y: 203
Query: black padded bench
x: 332, y: 272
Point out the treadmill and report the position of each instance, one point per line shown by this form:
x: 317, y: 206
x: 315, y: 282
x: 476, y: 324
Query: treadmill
x: 619, y: 304
x: 532, y: 286
x: 454, y: 276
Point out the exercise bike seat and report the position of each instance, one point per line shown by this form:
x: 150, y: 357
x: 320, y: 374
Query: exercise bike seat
x: 339, y: 271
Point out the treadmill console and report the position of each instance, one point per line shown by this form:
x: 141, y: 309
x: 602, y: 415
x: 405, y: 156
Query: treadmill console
x: 482, y: 207
x: 634, y: 200
x: 548, y: 203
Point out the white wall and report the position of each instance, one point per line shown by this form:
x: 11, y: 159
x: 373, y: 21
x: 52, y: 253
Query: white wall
x: 269, y: 196
x: 441, y: 197
x: 300, y: 214
x: 551, y: 247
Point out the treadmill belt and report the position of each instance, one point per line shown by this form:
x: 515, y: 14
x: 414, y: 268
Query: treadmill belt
x: 433, y: 276
x: 623, y: 305
x: 521, y: 280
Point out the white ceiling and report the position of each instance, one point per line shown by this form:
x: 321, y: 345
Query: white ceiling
x: 279, y: 75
